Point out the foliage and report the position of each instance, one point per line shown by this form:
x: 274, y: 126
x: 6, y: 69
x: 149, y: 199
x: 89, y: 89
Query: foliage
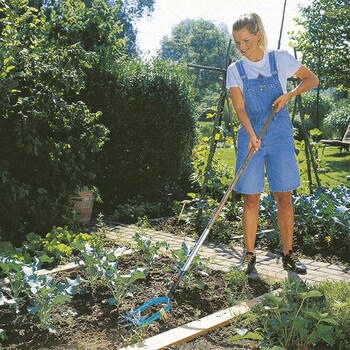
x: 313, y: 114
x: 294, y: 319
x: 148, y: 249
x: 3, y: 335
x: 17, y: 274
x: 148, y: 111
x: 236, y: 283
x: 43, y: 292
x: 129, y: 12
x: 244, y: 334
x: 135, y: 208
x: 55, y: 246
x: 198, y: 266
x: 324, y: 40
x: 47, y: 133
x: 321, y: 222
x: 198, y: 210
x: 100, y: 267
x: 335, y: 124
x: 93, y: 24
x: 337, y: 303
x: 200, y: 42
x: 46, y: 294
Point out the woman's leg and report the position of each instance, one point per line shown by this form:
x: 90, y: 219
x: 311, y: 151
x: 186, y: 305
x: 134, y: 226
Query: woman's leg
x: 250, y: 220
x: 285, y: 216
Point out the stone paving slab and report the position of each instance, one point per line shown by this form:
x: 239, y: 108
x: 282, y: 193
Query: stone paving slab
x: 223, y: 256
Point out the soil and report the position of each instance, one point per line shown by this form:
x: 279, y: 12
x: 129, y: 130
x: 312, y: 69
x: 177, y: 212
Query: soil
x: 98, y: 325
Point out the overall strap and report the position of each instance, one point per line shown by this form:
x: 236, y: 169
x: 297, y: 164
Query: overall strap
x: 241, y: 71
x: 273, y: 65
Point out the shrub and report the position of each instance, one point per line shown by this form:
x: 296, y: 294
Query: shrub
x: 321, y: 222
x: 149, y: 114
x: 47, y: 134
x: 313, y: 121
x: 335, y: 124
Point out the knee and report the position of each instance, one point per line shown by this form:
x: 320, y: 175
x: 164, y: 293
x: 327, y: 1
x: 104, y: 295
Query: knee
x: 251, y: 201
x: 284, y: 201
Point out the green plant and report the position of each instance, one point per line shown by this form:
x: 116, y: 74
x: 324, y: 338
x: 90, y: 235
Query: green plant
x: 149, y: 152
x: 89, y: 260
x: 3, y: 335
x: 337, y: 303
x: 293, y: 321
x: 143, y: 222
x: 101, y: 267
x: 134, y: 209
x: 337, y: 121
x: 198, y: 266
x: 18, y: 275
x: 243, y: 334
x: 137, y: 335
x: 47, y: 133
x: 236, y: 285
x: 119, y: 284
x: 312, y: 119
x: 56, y: 245
x: 321, y: 221
x: 46, y: 294
x: 148, y: 248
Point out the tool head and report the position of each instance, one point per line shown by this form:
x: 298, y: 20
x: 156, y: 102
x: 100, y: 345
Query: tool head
x: 136, y: 317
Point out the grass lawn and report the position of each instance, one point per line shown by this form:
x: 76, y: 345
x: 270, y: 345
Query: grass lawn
x: 337, y: 165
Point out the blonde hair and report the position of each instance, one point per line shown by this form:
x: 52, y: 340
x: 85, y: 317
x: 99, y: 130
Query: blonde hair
x: 252, y: 22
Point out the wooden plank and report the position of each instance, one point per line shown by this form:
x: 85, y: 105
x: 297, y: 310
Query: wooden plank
x: 196, y: 328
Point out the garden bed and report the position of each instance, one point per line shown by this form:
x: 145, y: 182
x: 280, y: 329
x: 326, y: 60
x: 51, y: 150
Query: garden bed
x: 98, y: 325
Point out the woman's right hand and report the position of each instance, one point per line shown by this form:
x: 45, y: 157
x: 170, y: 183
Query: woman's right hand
x: 254, y: 142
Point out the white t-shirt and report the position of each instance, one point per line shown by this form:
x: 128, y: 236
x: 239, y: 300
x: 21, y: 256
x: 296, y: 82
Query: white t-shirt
x: 287, y: 65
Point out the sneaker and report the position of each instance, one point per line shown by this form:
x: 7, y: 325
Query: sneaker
x: 292, y: 263
x: 248, y: 263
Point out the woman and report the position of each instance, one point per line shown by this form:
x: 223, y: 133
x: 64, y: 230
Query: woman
x: 257, y: 83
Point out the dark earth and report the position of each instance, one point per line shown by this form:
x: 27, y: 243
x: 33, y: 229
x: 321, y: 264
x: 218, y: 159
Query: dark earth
x: 98, y: 325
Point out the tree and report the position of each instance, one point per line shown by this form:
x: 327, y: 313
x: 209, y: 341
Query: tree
x: 129, y: 12
x: 325, y: 41
x: 47, y: 133
x: 200, y: 42
x: 126, y: 11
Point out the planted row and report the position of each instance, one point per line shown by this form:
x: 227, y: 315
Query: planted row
x: 47, y: 296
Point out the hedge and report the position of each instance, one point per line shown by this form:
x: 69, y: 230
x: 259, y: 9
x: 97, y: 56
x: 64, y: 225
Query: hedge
x: 148, y: 111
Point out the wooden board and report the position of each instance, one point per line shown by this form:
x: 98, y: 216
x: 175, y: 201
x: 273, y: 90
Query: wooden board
x: 194, y: 329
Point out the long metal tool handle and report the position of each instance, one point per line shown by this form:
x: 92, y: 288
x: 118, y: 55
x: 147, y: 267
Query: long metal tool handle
x: 219, y: 208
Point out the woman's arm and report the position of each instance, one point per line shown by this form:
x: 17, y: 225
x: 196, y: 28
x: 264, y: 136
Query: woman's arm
x: 308, y: 81
x: 238, y: 104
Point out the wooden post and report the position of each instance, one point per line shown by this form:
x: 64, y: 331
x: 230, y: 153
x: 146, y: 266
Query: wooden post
x: 310, y: 155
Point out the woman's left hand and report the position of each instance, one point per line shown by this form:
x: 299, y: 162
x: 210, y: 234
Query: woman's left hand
x: 281, y: 101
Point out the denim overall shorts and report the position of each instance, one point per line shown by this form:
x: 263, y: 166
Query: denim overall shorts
x: 276, y: 154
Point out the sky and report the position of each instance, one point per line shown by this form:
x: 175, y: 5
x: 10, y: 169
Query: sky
x: 169, y: 13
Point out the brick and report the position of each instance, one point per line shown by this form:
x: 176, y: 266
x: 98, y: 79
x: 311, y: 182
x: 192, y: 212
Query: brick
x: 319, y: 264
x: 331, y: 272
x: 336, y: 267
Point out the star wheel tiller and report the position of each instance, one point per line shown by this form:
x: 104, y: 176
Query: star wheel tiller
x: 163, y: 303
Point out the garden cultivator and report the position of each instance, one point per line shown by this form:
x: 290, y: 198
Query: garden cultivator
x: 164, y: 302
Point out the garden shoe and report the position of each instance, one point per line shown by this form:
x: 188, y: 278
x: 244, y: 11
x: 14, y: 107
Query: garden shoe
x: 292, y: 263
x: 248, y: 263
